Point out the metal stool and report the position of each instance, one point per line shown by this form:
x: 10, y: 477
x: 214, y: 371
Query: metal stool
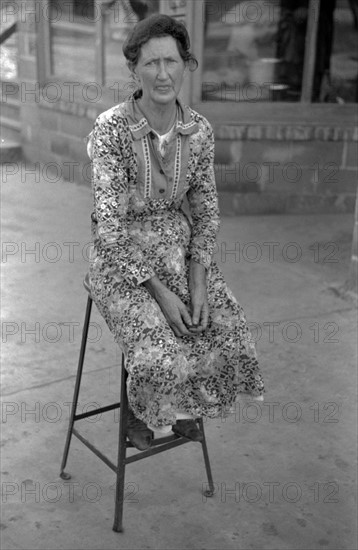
x: 158, y: 445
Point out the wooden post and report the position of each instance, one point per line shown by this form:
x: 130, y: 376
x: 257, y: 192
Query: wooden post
x: 100, y: 46
x: 310, y: 51
x: 352, y: 281
x: 44, y: 57
x: 197, y: 45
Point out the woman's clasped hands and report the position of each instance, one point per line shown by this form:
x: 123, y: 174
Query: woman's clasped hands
x: 184, y: 322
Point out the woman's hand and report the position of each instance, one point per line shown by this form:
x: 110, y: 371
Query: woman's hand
x: 174, y: 309
x: 199, y: 297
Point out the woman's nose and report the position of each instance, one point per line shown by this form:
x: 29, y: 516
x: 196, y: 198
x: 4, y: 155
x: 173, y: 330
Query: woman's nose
x: 162, y: 70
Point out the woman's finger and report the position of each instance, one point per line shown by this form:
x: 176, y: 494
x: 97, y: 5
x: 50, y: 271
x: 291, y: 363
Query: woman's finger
x: 204, y: 315
x: 176, y: 331
x: 197, y: 305
x: 185, y: 316
x: 180, y: 329
x: 196, y: 314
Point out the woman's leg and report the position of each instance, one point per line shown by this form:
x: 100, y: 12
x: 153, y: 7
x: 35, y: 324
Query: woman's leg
x: 155, y: 361
x: 223, y: 357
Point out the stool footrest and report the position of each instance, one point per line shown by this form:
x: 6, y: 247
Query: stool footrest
x: 159, y: 448
x: 165, y: 439
x: 93, y: 412
x: 95, y: 450
x: 161, y: 445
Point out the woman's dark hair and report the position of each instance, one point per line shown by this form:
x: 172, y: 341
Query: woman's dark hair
x: 157, y: 26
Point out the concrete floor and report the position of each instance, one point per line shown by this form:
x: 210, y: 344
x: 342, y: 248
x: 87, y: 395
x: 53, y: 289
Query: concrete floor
x: 284, y: 471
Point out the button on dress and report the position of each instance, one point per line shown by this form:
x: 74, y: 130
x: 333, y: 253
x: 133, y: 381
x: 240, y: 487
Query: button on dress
x: 140, y: 230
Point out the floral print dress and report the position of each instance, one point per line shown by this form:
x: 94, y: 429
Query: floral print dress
x: 140, y: 230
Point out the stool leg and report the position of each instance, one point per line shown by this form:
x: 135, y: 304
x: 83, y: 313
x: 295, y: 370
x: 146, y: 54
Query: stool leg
x: 63, y: 474
x: 122, y: 448
x: 210, y: 491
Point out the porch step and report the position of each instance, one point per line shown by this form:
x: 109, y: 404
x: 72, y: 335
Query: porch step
x: 10, y: 128
x: 10, y: 151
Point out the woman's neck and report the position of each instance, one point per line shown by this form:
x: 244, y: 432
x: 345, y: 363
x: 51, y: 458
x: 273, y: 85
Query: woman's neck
x: 161, y: 119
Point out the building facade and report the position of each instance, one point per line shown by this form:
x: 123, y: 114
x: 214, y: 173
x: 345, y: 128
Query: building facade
x: 277, y: 79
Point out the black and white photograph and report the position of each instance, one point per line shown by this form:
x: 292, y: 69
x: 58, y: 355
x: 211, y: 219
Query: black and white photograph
x: 179, y: 274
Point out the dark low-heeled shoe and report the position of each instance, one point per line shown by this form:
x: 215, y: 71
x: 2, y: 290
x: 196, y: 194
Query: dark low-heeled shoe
x: 188, y: 429
x: 138, y: 433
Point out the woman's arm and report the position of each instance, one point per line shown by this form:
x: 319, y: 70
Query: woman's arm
x: 203, y: 202
x: 111, y: 197
x: 198, y: 295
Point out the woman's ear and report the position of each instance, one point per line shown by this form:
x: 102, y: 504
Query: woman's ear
x: 186, y: 70
x: 131, y: 68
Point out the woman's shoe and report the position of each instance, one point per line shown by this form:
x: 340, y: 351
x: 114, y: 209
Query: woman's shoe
x: 138, y: 433
x: 188, y: 429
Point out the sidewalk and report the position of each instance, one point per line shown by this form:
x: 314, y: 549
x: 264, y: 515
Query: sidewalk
x: 284, y: 471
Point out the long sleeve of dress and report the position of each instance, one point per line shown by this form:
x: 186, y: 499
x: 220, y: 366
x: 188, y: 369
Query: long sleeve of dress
x: 203, y: 202
x: 111, y: 198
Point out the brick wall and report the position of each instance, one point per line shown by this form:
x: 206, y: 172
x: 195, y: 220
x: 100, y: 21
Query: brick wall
x: 60, y: 139
x: 352, y: 281
x: 271, y: 169
x: 286, y: 168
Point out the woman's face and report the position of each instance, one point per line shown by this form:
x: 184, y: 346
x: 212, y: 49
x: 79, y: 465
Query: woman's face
x: 160, y: 71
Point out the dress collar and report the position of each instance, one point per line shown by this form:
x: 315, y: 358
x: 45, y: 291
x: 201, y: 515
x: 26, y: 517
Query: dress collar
x: 140, y: 127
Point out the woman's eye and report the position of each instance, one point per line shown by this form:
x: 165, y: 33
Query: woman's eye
x: 153, y: 63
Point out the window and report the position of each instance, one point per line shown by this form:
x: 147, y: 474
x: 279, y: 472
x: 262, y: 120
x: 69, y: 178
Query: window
x: 263, y: 50
x: 341, y: 82
x: 86, y: 38
x: 72, y: 31
x: 8, y: 36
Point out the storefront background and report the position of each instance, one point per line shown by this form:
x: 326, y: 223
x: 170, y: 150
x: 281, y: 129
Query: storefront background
x: 277, y: 79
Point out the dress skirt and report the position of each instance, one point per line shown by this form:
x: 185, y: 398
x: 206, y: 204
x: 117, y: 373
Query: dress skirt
x: 201, y: 374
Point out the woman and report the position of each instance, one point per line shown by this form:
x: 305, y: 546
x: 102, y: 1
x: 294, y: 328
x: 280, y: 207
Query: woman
x: 187, y: 347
